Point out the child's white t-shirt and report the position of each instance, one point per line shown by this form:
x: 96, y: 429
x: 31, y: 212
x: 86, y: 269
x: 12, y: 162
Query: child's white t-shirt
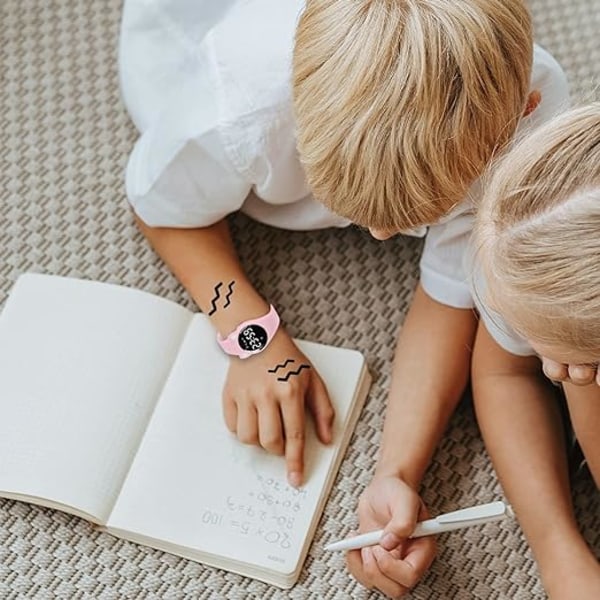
x: 208, y: 85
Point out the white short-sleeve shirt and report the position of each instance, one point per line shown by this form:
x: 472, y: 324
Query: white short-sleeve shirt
x: 502, y: 333
x: 549, y: 79
x: 208, y: 85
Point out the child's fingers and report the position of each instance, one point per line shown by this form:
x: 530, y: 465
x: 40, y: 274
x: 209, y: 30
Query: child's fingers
x: 321, y: 408
x: 353, y: 563
x: 270, y: 429
x: 554, y: 370
x: 598, y: 376
x: 362, y: 565
x: 384, y: 571
x: 230, y: 412
x: 292, y: 413
x: 400, y: 572
x: 405, y: 510
x: 420, y: 555
x: 247, y: 423
x: 581, y: 374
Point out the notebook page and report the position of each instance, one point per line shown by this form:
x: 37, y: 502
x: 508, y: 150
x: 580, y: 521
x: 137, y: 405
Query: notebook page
x: 193, y: 485
x: 81, y: 366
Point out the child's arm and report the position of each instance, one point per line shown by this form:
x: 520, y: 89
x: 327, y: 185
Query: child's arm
x: 584, y: 408
x: 257, y: 407
x: 430, y: 372
x: 520, y: 422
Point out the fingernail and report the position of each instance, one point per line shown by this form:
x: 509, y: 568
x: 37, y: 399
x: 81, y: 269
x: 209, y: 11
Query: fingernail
x: 326, y: 436
x: 295, y: 479
x: 389, y: 541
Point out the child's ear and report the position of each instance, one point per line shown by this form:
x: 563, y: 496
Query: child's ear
x: 533, y: 101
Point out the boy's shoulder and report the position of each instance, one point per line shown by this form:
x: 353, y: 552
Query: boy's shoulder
x: 253, y: 64
x: 240, y: 50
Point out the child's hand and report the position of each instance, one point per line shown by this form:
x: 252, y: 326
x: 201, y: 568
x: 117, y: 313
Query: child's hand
x: 576, y: 374
x: 264, y: 399
x: 398, y: 563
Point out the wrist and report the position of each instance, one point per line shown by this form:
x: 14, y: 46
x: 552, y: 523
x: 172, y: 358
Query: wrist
x: 229, y: 302
x: 397, y: 470
x: 251, y: 336
x: 228, y: 320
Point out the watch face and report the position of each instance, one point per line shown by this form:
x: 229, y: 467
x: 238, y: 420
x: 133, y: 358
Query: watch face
x: 252, y: 338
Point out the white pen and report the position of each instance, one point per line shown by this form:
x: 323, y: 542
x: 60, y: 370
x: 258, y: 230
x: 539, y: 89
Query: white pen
x: 476, y: 515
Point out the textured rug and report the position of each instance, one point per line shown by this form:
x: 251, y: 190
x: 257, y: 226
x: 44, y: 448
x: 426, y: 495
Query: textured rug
x: 65, y: 140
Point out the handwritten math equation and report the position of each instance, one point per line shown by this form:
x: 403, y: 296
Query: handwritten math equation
x: 268, y: 512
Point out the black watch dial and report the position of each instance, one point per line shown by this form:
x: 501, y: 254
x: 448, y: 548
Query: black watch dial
x: 252, y: 338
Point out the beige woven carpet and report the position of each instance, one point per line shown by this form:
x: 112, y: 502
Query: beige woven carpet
x: 65, y: 140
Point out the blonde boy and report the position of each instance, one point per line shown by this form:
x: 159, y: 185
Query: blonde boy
x: 397, y: 106
x: 538, y: 250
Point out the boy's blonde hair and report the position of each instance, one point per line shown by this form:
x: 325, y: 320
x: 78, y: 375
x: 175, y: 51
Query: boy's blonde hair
x: 400, y: 104
x: 538, y: 233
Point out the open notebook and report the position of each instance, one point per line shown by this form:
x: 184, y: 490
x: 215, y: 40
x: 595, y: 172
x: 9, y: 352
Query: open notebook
x: 110, y: 409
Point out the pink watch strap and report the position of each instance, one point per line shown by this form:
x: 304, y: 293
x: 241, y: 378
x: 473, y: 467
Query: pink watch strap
x: 252, y: 336
x: 229, y: 345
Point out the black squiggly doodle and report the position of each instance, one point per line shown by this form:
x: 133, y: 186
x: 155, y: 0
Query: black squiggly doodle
x: 213, y: 302
x: 297, y: 372
x: 276, y: 368
x: 229, y: 293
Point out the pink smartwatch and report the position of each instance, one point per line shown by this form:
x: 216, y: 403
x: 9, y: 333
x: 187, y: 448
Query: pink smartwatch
x: 251, y: 337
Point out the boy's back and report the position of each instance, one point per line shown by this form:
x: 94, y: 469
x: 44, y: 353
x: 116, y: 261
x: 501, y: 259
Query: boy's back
x: 212, y: 88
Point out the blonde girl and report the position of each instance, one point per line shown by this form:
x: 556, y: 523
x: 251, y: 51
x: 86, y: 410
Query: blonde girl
x: 537, y: 240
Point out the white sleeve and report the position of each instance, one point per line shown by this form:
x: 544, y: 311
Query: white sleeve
x: 502, y: 333
x: 550, y: 80
x: 443, y: 274
x: 179, y: 173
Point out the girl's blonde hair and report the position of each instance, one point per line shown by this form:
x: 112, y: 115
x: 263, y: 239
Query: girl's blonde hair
x: 400, y: 104
x: 538, y: 233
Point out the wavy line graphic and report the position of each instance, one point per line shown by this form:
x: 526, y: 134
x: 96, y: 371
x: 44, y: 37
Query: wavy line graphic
x: 297, y: 372
x: 275, y: 369
x: 213, y: 302
x: 228, y: 295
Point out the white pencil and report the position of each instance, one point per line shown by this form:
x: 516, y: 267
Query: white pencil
x: 459, y: 519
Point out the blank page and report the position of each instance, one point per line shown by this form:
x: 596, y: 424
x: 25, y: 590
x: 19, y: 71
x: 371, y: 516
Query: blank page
x: 81, y: 367
x: 193, y: 485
